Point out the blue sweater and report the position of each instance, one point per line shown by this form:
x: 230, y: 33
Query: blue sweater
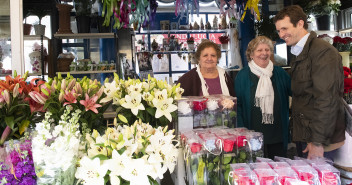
x: 243, y: 90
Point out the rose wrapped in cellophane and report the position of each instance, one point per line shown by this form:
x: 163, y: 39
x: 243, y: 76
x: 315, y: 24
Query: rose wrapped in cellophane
x: 153, y: 101
x: 56, y: 149
x: 138, y: 154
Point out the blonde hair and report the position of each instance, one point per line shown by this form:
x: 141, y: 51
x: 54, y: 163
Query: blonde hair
x: 253, y: 44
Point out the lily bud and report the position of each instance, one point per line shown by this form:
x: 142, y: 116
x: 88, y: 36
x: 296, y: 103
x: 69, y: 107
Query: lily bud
x: 61, y: 96
x: 71, y: 84
x: 100, y: 92
x: 6, y: 96
x: 15, y: 90
x: 63, y: 84
x: 78, y: 88
x: 5, y: 134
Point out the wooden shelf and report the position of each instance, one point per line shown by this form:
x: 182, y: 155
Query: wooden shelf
x: 87, y: 72
x: 85, y: 35
x: 180, y: 31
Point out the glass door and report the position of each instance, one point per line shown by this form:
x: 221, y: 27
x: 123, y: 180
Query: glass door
x: 5, y: 39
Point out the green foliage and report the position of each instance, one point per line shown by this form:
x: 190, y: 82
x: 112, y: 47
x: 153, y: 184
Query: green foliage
x: 39, y: 12
x: 83, y: 7
x: 267, y: 28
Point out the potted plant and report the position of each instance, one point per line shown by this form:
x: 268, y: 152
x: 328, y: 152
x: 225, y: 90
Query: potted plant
x: 224, y: 40
x: 26, y: 27
x: 83, y: 13
x: 266, y: 27
x: 321, y: 9
x: 40, y: 13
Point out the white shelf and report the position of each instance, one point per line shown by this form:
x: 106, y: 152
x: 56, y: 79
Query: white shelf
x: 85, y: 35
x: 87, y: 72
x: 34, y: 37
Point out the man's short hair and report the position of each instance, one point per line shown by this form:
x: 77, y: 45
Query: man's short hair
x: 295, y: 13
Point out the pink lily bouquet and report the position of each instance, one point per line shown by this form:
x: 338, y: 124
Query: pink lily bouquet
x: 83, y: 94
x: 153, y: 101
x: 16, y: 114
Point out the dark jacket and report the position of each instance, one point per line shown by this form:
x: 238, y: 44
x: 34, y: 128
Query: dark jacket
x: 243, y: 90
x: 317, y: 89
x: 190, y: 82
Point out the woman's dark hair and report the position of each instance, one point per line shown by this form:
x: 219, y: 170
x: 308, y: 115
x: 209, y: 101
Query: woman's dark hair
x: 207, y: 44
x: 295, y: 13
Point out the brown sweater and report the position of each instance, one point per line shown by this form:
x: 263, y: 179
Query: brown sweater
x: 190, y: 82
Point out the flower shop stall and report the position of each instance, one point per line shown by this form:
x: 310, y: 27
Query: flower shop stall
x: 63, y: 141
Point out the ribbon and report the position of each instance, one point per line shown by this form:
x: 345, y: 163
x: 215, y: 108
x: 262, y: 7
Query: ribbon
x: 253, y: 6
x: 185, y: 7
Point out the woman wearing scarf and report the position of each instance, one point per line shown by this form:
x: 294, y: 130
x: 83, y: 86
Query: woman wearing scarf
x: 263, y: 92
x: 207, y: 78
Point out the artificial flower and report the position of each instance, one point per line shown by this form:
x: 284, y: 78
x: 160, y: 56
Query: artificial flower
x: 184, y: 107
x: 212, y: 104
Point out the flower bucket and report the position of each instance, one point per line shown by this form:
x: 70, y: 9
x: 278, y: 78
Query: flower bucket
x: 39, y: 29
x: 345, y: 58
x: 224, y: 46
x: 323, y: 22
x: 191, y: 46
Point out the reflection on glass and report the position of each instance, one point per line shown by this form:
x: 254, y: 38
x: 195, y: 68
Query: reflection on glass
x: 5, y: 41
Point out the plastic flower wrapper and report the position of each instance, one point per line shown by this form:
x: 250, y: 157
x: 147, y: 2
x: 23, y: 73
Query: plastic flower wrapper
x: 243, y: 149
x: 281, y: 159
x: 136, y: 154
x: 55, y: 148
x: 240, y: 166
x: 261, y: 165
x: 278, y: 165
x: 295, y: 182
x: 267, y: 176
x: 213, y: 149
x: 18, y: 168
x: 307, y: 174
x: 201, y: 132
x: 242, y: 176
x: 294, y: 163
x: 328, y: 175
x: 262, y: 159
x: 200, y: 117
x: 256, y: 144
x: 153, y: 101
x: 285, y: 174
x: 229, y: 110
x: 185, y: 135
x: 195, y: 158
x: 214, y: 115
x: 229, y: 154
x: 185, y: 114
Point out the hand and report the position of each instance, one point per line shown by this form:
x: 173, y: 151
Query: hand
x: 314, y: 151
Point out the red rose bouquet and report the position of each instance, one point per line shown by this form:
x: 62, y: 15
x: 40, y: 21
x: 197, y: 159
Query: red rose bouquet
x: 347, y: 85
x: 342, y: 44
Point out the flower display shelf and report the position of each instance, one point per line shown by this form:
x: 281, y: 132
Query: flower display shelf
x: 87, y: 72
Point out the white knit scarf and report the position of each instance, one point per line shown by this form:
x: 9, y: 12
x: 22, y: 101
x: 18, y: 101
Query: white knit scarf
x: 264, y: 95
x: 224, y: 88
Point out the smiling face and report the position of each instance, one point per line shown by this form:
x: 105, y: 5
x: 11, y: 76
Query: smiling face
x: 261, y: 55
x: 208, y: 58
x: 290, y: 33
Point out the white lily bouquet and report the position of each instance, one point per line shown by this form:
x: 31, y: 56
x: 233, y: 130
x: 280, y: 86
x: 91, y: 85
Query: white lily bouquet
x: 138, y: 154
x: 55, y: 149
x: 153, y: 101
